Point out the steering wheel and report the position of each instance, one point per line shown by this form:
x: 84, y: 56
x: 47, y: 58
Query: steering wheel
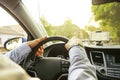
x: 47, y: 68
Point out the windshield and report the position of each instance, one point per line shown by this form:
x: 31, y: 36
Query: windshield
x: 92, y: 24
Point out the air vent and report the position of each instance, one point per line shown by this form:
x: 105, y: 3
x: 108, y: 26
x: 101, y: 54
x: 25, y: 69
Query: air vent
x: 97, y: 58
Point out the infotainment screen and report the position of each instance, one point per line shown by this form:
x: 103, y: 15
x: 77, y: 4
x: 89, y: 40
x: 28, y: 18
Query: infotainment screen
x: 113, y: 60
x: 116, y: 59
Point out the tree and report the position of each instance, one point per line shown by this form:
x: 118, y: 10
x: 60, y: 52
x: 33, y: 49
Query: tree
x: 108, y: 17
x: 47, y: 25
x: 91, y: 28
x: 67, y: 29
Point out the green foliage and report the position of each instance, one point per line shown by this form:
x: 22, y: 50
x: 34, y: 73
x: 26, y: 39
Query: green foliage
x: 67, y: 29
x: 47, y: 25
x: 108, y: 16
x: 91, y: 28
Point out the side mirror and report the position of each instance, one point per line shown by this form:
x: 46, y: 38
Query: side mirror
x: 97, y: 2
x: 14, y: 42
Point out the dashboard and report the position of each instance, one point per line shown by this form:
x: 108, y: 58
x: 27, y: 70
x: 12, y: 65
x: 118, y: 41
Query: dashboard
x: 106, y: 60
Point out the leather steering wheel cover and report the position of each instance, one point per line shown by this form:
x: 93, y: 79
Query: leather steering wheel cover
x: 32, y: 56
x: 52, y: 38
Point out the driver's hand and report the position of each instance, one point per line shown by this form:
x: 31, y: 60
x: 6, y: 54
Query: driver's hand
x: 72, y: 42
x: 40, y: 51
x: 33, y: 43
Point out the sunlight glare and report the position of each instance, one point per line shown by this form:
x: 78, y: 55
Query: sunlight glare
x: 6, y: 19
x: 57, y: 11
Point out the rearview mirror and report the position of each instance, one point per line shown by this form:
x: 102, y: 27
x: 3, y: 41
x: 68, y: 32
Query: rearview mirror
x: 13, y: 43
x: 97, y: 2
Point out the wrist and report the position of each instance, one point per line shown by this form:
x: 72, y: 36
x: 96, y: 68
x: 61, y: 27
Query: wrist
x: 73, y: 46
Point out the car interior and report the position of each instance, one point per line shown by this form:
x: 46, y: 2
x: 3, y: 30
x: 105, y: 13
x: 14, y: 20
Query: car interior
x: 55, y: 63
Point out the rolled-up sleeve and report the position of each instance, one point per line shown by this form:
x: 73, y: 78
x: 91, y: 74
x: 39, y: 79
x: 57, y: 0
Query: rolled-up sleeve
x: 19, y: 53
x: 80, y: 68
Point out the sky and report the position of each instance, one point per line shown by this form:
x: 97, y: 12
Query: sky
x: 57, y: 11
x: 5, y: 18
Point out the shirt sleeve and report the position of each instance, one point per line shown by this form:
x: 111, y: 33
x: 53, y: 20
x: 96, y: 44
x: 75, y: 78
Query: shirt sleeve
x: 80, y: 67
x: 19, y: 53
x: 12, y: 71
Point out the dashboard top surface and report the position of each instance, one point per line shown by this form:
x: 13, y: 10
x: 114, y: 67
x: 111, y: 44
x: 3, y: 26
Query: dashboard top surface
x: 104, y: 47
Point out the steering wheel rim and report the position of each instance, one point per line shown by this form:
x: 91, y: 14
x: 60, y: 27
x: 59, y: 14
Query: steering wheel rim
x: 28, y: 62
x: 60, y: 38
x: 32, y: 53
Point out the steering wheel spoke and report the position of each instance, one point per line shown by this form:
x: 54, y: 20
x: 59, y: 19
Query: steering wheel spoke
x: 65, y: 65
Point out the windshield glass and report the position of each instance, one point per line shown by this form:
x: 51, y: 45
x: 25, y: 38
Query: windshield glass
x: 9, y: 28
x: 93, y: 24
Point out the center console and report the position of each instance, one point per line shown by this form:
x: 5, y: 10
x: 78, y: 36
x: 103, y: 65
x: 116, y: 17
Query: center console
x: 106, y: 59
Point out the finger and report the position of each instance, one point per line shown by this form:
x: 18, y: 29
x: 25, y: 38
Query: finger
x: 39, y: 54
x: 33, y: 43
x: 40, y: 51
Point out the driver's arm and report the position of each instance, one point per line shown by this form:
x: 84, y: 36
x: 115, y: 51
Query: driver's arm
x: 12, y: 71
x: 19, y: 53
x: 80, y: 66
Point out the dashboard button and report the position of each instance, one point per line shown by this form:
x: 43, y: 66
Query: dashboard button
x: 103, y: 71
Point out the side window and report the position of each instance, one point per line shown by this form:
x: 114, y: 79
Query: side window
x: 9, y: 28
